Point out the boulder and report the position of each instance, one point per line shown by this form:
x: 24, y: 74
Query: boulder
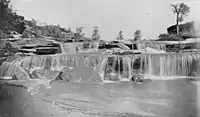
x: 20, y: 74
x: 44, y: 74
x: 65, y: 76
x: 140, y: 78
x: 137, y: 78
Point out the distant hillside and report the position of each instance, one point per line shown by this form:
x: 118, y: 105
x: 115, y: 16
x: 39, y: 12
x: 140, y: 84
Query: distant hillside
x: 13, y: 25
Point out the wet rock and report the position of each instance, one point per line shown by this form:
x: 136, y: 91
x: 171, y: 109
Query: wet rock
x: 59, y: 77
x: 33, y: 75
x: 64, y: 76
x: 44, y: 74
x: 21, y: 74
x: 140, y: 78
x: 137, y: 78
x: 14, y: 77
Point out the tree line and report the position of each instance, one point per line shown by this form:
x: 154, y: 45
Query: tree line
x: 12, y: 23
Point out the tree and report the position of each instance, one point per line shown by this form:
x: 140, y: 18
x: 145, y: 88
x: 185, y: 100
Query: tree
x: 137, y: 35
x: 33, y: 23
x: 180, y: 10
x: 59, y: 32
x: 120, y: 35
x: 4, y: 9
x: 4, y: 13
x: 9, y: 19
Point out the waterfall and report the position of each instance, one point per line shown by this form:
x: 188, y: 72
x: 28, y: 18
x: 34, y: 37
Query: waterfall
x: 170, y: 65
x: 116, y: 68
x: 158, y: 46
x: 68, y: 47
x: 154, y: 66
x: 32, y: 63
x: 151, y: 44
x: 7, y: 68
x: 110, y: 67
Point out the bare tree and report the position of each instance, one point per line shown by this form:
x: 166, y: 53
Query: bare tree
x: 180, y: 10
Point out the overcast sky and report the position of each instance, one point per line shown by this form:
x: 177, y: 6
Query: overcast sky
x: 152, y: 17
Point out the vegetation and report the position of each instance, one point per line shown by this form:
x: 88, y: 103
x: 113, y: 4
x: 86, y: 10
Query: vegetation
x: 9, y: 20
x: 180, y: 10
x: 13, y: 24
x: 120, y: 35
x: 8, y: 50
x: 137, y: 35
x: 169, y: 37
x: 179, y: 32
x: 187, y: 30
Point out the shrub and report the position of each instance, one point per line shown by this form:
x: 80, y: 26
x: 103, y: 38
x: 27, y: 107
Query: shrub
x: 38, y: 33
x: 163, y: 36
x: 169, y: 37
x: 9, y: 50
x: 174, y: 37
x: 187, y: 35
x: 26, y: 34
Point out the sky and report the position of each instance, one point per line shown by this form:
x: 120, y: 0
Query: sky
x: 152, y: 17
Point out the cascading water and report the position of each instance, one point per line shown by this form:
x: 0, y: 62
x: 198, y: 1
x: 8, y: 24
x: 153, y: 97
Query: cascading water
x: 116, y: 68
x: 171, y: 65
x: 151, y: 45
x: 154, y: 66
x: 87, y: 67
x: 7, y: 68
x: 68, y: 47
x: 108, y: 67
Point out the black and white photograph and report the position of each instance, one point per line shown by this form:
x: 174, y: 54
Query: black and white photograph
x: 99, y: 58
